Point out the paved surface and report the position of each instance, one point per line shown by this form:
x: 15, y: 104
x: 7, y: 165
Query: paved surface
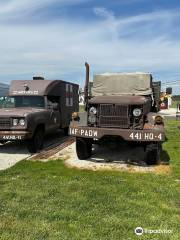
x: 13, y: 152
x: 168, y: 113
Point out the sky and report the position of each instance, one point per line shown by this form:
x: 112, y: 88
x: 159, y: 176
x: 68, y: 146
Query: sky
x: 53, y: 38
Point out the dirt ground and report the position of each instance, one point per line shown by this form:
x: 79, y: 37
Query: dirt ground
x: 121, y: 158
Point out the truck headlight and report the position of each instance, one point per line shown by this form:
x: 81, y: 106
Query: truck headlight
x: 93, y: 110
x: 137, y: 112
x: 15, y: 122
x: 21, y: 122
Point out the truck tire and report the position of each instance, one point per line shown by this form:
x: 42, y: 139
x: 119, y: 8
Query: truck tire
x: 66, y: 131
x: 83, y: 148
x: 152, y: 153
x: 36, y: 143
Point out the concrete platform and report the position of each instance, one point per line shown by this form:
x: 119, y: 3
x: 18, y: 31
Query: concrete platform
x: 168, y: 113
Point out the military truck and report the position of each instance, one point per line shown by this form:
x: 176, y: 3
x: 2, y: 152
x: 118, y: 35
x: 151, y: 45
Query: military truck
x: 121, y: 106
x: 35, y: 108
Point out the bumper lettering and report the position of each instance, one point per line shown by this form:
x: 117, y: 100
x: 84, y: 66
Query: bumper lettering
x: 11, y: 137
x: 83, y: 132
x: 128, y: 135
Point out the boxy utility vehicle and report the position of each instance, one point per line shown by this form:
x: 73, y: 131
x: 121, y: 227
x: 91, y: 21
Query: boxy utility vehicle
x: 123, y: 106
x: 37, y: 107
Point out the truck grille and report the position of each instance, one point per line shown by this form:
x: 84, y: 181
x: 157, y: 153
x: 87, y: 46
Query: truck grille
x: 5, y: 123
x: 112, y: 115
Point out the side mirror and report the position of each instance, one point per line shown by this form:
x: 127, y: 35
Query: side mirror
x: 55, y: 106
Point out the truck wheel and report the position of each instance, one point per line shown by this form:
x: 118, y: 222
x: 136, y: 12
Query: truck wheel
x: 152, y: 153
x: 66, y: 131
x: 36, y: 143
x: 83, y: 148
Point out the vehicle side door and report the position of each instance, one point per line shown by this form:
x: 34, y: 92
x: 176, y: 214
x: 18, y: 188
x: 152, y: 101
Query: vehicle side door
x: 53, y: 105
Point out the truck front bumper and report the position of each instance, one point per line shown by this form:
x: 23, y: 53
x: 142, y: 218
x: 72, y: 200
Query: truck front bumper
x: 14, y: 135
x: 145, y: 135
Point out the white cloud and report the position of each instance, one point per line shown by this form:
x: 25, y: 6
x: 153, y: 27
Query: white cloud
x: 110, y: 20
x: 103, y: 12
x: 60, y: 48
x: 152, y: 16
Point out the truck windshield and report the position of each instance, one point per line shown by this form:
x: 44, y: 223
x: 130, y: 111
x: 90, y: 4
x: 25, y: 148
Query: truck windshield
x: 22, y: 101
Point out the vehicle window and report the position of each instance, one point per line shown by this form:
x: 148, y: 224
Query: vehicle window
x: 6, y: 102
x: 53, y: 99
x: 23, y: 101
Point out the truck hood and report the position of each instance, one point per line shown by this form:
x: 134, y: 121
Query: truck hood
x: 124, y: 99
x: 19, y: 112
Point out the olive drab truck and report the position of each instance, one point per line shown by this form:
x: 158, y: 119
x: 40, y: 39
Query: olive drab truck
x: 35, y: 108
x: 123, y: 106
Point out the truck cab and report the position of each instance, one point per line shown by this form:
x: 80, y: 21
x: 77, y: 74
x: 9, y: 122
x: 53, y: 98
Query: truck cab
x: 35, y: 108
x: 124, y: 106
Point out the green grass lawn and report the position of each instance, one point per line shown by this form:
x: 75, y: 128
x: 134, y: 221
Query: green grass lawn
x: 49, y: 201
x: 174, y: 104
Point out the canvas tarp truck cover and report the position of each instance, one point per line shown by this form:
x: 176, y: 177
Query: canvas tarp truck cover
x: 122, y: 83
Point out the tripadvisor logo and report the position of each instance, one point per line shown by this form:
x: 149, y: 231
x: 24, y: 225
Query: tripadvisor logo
x: 138, y: 231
